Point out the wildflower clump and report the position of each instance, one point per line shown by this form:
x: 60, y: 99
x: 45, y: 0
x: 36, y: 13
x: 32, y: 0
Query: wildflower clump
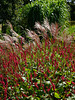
x: 44, y: 71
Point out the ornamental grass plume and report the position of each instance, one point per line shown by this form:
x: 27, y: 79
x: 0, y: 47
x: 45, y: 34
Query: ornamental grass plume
x: 14, y: 34
x: 53, y: 31
x: 41, y: 30
x: 15, y: 38
x: 45, y: 27
x: 11, y: 27
x: 45, y: 30
x: 7, y: 38
x: 5, y: 44
x: 12, y: 42
x: 34, y: 40
x: 53, y: 28
x: 34, y: 36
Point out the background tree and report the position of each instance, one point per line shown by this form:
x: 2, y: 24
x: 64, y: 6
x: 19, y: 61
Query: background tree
x: 8, y: 9
x: 72, y: 9
x: 26, y: 1
x: 4, y: 11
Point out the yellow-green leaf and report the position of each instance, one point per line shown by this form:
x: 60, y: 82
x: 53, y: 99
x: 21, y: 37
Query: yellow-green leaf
x: 56, y: 95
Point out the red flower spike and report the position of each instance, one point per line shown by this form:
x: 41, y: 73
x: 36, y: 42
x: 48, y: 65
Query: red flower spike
x: 5, y: 93
x: 17, y: 98
x: 74, y: 91
x: 23, y: 68
x: 45, y: 75
x: 4, y: 66
x: 35, y: 75
x: 73, y: 83
x: 24, y: 95
x: 53, y: 86
x: 48, y: 89
x: 36, y: 85
x: 50, y: 80
x: 27, y: 80
x: 62, y: 77
x: 21, y: 54
x: 58, y: 79
x: 11, y: 87
x: 31, y: 75
x: 1, y: 76
x: 52, y: 55
x: 29, y: 86
x: 68, y: 95
x: 32, y: 95
x: 48, y: 70
x: 3, y: 83
x: 31, y: 78
x: 47, y: 58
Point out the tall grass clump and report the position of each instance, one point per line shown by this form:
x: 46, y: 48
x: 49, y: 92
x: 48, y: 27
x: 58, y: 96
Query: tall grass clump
x: 53, y: 10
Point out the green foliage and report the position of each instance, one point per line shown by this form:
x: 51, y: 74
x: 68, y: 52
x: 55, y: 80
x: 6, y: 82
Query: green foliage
x: 8, y: 30
x: 55, y: 11
x: 8, y: 9
x: 72, y: 9
x: 21, y: 19
x: 56, y: 95
x: 71, y: 29
x: 34, y: 15
x: 4, y: 9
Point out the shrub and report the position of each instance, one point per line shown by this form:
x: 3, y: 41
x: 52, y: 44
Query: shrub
x: 35, y: 15
x: 55, y: 11
x: 21, y: 20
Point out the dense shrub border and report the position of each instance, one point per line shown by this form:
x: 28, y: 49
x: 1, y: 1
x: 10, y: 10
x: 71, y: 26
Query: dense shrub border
x: 53, y: 10
x: 41, y: 72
